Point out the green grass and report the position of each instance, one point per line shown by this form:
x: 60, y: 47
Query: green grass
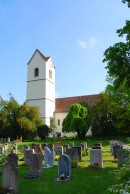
x: 83, y: 181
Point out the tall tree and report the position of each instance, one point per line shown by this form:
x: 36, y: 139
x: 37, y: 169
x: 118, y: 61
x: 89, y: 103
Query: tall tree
x: 17, y: 120
x: 118, y: 60
x: 102, y: 117
x: 76, y: 121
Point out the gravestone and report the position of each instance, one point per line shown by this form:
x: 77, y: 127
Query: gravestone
x: 71, y: 144
x: 122, y: 156
x: 9, y: 179
x: 27, y: 155
x: 112, y: 143
x: 38, y: 149
x: 12, y: 159
x: 51, y: 147
x: 75, y: 153
x: 8, y: 139
x: 64, y: 166
x: 36, y: 163
x: 115, y: 148
x: 1, y: 149
x: 96, y: 157
x: 14, y: 149
x: 49, y: 157
x: 58, y: 150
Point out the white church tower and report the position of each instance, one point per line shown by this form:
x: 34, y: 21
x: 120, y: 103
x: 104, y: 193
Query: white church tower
x: 41, y: 85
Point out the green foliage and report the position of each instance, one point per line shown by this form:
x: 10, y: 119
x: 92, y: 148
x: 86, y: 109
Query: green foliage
x: 43, y: 131
x: 76, y: 120
x: 18, y: 120
x: 52, y: 124
x: 74, y: 164
x: 102, y: 117
x: 85, y: 152
x: 118, y: 62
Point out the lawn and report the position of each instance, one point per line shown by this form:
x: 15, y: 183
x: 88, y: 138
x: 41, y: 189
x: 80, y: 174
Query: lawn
x: 84, y: 180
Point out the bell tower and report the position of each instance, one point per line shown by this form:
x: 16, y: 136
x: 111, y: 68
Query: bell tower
x: 41, y: 85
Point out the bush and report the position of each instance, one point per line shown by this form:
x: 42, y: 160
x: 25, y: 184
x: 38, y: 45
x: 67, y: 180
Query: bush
x: 43, y: 131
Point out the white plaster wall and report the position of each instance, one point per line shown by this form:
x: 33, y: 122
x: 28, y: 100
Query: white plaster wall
x: 36, y: 62
x: 40, y: 104
x: 35, y: 89
x: 41, y: 89
x: 61, y: 117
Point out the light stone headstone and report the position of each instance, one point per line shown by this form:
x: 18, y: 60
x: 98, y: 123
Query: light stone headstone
x: 96, y: 157
x: 49, y: 157
x: 9, y: 179
x: 8, y: 139
x: 64, y: 166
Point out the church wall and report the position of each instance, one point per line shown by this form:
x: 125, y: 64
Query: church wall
x: 61, y: 116
x: 35, y: 90
x: 36, y: 62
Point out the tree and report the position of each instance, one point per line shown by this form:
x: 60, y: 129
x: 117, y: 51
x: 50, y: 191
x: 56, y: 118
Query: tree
x: 118, y: 60
x: 43, y: 131
x: 102, y: 117
x: 126, y: 1
x: 18, y: 120
x: 118, y: 69
x: 75, y: 121
x: 52, y: 125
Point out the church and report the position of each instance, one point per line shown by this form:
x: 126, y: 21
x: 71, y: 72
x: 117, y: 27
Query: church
x: 41, y: 91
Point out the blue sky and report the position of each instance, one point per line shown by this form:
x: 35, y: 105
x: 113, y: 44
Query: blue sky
x: 75, y: 33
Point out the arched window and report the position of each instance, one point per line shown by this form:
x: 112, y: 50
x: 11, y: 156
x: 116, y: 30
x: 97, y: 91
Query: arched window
x: 36, y: 72
x: 50, y: 74
x: 58, y: 122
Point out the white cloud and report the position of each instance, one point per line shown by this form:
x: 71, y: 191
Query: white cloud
x: 93, y: 41
x: 86, y: 43
x: 82, y: 44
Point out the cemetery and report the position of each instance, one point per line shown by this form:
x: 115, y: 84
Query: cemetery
x: 32, y: 167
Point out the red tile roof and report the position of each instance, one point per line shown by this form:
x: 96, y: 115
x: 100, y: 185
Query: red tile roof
x: 63, y: 104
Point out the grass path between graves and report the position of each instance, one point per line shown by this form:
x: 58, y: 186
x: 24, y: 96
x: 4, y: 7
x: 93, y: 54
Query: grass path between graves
x: 84, y: 180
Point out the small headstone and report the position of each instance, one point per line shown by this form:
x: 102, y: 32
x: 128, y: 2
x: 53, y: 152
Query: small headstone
x: 12, y: 159
x: 9, y: 179
x: 58, y: 150
x: 36, y: 163
x: 96, y: 157
x: 8, y: 139
x: 49, y: 157
x: 115, y: 148
x: 64, y: 165
x: 75, y: 153
x: 122, y: 156
x: 27, y: 155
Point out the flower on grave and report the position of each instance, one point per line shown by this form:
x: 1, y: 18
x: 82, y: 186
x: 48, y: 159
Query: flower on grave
x: 57, y: 157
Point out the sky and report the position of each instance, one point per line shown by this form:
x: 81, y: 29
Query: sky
x: 75, y: 33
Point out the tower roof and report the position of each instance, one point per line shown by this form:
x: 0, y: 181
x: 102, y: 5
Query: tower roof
x: 45, y: 58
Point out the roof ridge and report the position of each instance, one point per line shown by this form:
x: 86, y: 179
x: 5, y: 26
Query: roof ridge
x: 43, y: 56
